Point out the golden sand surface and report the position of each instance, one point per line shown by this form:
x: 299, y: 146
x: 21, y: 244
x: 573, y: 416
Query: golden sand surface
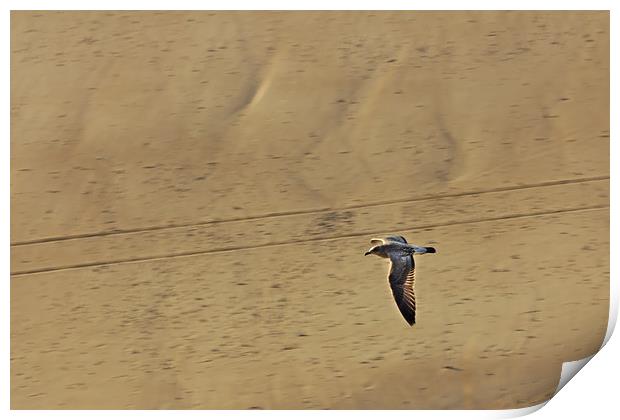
x: 192, y: 194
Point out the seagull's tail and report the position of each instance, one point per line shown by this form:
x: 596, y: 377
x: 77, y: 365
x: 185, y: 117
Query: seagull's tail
x: 424, y: 250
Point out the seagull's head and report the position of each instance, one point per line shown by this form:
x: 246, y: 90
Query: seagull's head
x: 378, y: 250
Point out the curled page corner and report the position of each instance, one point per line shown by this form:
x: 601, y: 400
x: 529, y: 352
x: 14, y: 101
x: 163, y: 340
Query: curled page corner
x: 520, y: 412
x: 570, y: 369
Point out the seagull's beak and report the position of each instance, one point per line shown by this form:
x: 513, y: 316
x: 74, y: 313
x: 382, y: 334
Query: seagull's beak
x: 367, y: 253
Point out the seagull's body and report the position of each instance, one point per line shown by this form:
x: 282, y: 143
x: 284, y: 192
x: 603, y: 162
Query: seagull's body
x: 402, y: 270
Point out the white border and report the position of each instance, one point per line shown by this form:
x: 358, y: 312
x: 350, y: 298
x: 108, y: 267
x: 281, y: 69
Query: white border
x: 593, y: 394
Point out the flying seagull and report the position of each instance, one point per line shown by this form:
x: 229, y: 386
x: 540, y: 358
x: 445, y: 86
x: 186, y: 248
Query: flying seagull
x: 402, y: 270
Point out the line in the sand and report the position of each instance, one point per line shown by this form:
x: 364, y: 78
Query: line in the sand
x: 308, y: 211
x: 299, y: 241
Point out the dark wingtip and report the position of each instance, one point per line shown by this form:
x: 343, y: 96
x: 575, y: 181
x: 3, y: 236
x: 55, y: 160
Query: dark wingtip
x: 430, y: 250
x: 409, y: 317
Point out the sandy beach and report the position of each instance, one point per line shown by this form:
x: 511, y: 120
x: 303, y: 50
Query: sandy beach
x: 192, y: 194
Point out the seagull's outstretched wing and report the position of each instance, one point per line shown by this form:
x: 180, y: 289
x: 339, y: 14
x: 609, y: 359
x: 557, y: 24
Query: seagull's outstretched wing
x: 400, y: 239
x: 402, y: 279
x: 382, y: 241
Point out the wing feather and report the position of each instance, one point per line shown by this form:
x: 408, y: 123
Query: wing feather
x: 377, y: 241
x: 402, y: 282
x: 400, y: 239
x: 382, y: 241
